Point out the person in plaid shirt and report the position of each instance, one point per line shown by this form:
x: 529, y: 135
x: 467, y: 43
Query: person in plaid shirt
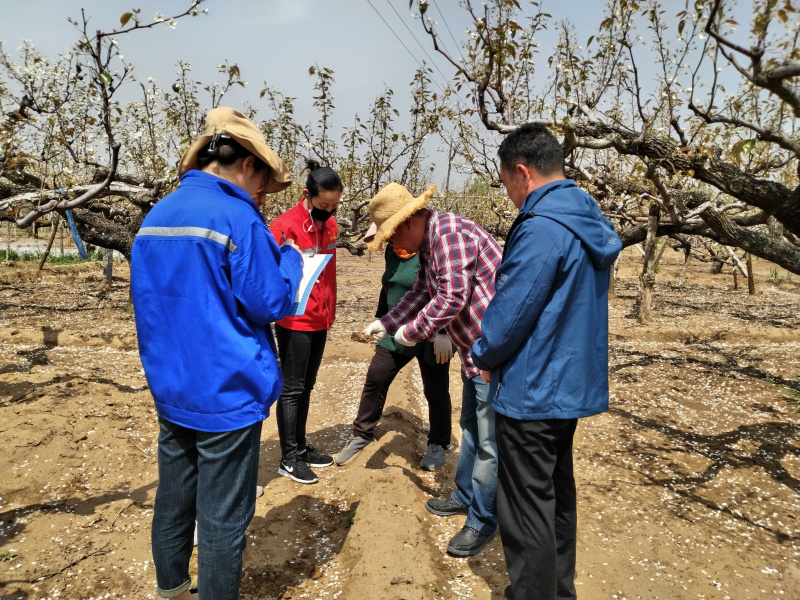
x: 454, y: 285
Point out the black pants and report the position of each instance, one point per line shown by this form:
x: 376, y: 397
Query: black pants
x: 382, y: 370
x: 536, y: 506
x: 301, y: 354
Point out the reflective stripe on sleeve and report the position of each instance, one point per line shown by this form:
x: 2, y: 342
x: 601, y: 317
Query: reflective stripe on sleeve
x: 201, y: 232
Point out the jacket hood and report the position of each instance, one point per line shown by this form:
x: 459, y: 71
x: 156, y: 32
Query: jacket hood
x: 577, y: 211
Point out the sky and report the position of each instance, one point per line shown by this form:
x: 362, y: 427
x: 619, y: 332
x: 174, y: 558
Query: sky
x: 369, y: 44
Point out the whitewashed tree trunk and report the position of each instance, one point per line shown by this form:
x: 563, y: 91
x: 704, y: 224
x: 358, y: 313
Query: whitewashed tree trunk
x: 647, y: 279
x: 108, y: 266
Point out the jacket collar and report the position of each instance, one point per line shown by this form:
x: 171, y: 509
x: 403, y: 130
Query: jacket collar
x: 540, y: 192
x: 196, y: 178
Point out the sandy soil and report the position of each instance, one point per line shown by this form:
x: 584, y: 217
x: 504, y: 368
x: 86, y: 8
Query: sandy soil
x: 688, y: 487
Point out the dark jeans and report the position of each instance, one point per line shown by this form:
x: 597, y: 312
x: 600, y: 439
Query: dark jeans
x: 536, y: 506
x: 301, y: 354
x: 210, y: 477
x: 382, y: 371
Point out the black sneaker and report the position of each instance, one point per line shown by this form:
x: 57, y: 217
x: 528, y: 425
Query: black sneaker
x: 297, y: 469
x: 316, y: 459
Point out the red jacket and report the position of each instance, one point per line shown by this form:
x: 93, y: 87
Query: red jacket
x: 298, y: 225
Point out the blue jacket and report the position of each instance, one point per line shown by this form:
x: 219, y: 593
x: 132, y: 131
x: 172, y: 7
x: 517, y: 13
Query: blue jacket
x: 545, y: 333
x: 207, y: 279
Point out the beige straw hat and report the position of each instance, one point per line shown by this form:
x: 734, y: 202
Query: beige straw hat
x: 390, y: 207
x: 234, y: 124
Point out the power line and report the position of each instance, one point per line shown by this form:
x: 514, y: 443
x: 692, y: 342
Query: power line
x: 452, y: 37
x: 459, y: 101
x: 415, y: 39
x: 395, y: 35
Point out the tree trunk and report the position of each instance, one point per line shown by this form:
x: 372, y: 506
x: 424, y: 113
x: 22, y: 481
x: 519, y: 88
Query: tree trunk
x: 8, y: 242
x: 612, y: 279
x: 716, y: 262
x: 108, y: 266
x: 647, y: 279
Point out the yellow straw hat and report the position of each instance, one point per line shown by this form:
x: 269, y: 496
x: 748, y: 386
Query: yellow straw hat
x: 233, y: 123
x: 390, y: 207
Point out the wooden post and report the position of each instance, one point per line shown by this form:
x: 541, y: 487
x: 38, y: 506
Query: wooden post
x: 687, y: 258
x: 751, y: 280
x: 8, y: 242
x: 736, y: 261
x: 735, y: 278
x: 49, y: 243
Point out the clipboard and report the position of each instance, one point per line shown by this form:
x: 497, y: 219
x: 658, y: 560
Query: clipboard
x: 312, y: 267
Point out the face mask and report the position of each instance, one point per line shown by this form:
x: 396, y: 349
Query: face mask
x: 321, y: 215
x: 402, y: 253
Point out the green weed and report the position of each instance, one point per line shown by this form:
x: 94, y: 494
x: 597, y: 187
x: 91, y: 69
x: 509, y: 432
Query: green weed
x: 793, y: 394
x: 348, y: 519
x: 67, y: 259
x: 7, y: 555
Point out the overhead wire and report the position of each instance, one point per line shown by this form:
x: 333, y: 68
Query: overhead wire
x: 415, y: 39
x: 452, y: 37
x: 463, y: 108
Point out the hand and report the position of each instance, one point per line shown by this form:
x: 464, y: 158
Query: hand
x: 442, y: 347
x: 290, y: 242
x: 377, y: 329
x: 400, y: 337
x: 486, y: 376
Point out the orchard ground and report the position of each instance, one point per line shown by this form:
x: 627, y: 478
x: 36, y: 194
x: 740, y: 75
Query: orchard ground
x: 688, y: 487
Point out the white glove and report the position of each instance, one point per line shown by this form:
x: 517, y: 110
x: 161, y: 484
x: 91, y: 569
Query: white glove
x: 400, y: 337
x: 377, y: 329
x: 442, y: 348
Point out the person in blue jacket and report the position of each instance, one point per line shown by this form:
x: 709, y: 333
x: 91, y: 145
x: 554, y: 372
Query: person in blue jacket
x: 544, y: 350
x: 207, y: 279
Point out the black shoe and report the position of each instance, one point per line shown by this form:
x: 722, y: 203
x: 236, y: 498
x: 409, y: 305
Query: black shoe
x: 509, y: 593
x: 297, y: 469
x: 445, y: 508
x: 314, y: 458
x: 468, y: 542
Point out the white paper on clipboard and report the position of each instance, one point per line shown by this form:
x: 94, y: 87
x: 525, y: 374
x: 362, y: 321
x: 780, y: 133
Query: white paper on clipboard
x: 312, y: 267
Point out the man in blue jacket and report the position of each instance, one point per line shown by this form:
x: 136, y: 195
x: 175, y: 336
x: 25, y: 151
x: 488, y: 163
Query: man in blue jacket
x: 207, y: 280
x: 544, y: 350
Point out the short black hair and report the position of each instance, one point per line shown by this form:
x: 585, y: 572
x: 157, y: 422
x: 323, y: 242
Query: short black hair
x: 536, y: 147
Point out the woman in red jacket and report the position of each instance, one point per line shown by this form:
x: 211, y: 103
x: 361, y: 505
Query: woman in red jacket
x: 301, y: 339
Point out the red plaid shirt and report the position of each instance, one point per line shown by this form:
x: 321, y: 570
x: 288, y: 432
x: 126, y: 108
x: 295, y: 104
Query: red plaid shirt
x: 454, y: 285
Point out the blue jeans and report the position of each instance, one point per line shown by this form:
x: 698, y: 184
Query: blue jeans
x: 476, y: 474
x: 210, y: 477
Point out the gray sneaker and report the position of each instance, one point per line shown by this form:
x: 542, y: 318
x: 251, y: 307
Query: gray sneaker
x: 353, y: 446
x: 433, y: 457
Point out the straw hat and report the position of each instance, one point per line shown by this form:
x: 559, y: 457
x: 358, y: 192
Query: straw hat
x: 234, y: 124
x: 390, y: 207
